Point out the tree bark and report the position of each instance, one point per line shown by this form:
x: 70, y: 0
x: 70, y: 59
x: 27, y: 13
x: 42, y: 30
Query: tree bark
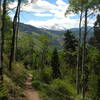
x: 0, y: 46
x: 2, y: 39
x: 78, y: 57
x: 0, y: 6
x: 17, y: 31
x: 14, y: 35
x: 84, y: 56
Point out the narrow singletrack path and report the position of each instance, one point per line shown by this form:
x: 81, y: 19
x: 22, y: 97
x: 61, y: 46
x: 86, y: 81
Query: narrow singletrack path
x: 30, y: 93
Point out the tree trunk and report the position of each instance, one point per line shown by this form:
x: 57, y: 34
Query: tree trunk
x: 0, y: 7
x: 14, y: 35
x: 0, y: 46
x: 2, y: 39
x: 84, y: 57
x: 17, y: 33
x: 78, y: 57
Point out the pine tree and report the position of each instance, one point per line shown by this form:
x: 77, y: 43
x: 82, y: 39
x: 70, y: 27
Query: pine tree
x: 55, y: 64
x: 70, y: 44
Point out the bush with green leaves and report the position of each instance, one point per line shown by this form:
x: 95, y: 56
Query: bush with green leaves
x: 61, y: 90
x: 39, y: 85
x: 94, y: 73
x: 18, y: 74
x: 12, y: 90
x: 57, y: 90
x: 36, y: 74
x: 44, y: 75
x: 3, y: 92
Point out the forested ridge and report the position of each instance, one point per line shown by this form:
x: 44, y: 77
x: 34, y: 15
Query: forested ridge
x: 42, y: 64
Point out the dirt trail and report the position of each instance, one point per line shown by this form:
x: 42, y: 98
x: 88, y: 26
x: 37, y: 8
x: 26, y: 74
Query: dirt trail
x: 30, y: 93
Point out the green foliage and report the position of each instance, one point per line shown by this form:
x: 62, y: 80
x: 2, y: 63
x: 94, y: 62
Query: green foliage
x: 44, y: 75
x: 13, y: 89
x: 63, y: 86
x: 70, y: 44
x: 94, y: 90
x: 94, y: 73
x: 18, y: 74
x: 69, y: 56
x: 39, y: 85
x: 13, y: 81
x: 7, y: 36
x: 33, y: 50
x: 44, y: 50
x: 44, y: 39
x: 25, y: 49
x: 3, y: 92
x: 58, y: 89
x: 36, y: 74
x: 78, y: 5
x: 55, y: 64
x: 94, y: 60
x: 6, y: 62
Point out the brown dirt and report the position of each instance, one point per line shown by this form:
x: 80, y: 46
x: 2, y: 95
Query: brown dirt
x: 30, y: 93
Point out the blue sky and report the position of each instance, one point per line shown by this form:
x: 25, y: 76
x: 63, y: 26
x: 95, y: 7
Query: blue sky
x: 48, y: 14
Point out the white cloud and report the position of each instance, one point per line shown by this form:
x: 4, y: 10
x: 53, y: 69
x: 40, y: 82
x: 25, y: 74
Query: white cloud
x: 43, y: 8
x: 60, y: 3
x: 39, y: 6
x: 33, y: 1
x: 12, y: 5
x: 42, y: 14
x: 64, y: 23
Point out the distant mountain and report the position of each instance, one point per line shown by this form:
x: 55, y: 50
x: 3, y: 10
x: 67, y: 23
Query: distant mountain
x: 76, y: 31
x: 54, y: 35
x: 30, y: 29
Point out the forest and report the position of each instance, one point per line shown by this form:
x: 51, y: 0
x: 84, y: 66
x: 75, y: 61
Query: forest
x: 43, y: 64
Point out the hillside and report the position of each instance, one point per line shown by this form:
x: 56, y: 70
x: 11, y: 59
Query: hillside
x: 54, y: 35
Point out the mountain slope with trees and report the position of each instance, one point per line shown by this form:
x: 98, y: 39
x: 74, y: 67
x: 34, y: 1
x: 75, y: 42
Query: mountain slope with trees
x: 54, y: 35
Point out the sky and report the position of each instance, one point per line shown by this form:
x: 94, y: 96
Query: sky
x: 48, y: 14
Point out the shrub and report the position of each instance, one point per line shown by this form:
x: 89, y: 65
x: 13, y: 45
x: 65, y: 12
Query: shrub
x: 63, y: 86
x: 18, y: 74
x: 58, y: 90
x: 94, y: 89
x: 39, y: 85
x: 3, y: 92
x: 44, y: 75
x: 36, y: 75
x: 12, y: 90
